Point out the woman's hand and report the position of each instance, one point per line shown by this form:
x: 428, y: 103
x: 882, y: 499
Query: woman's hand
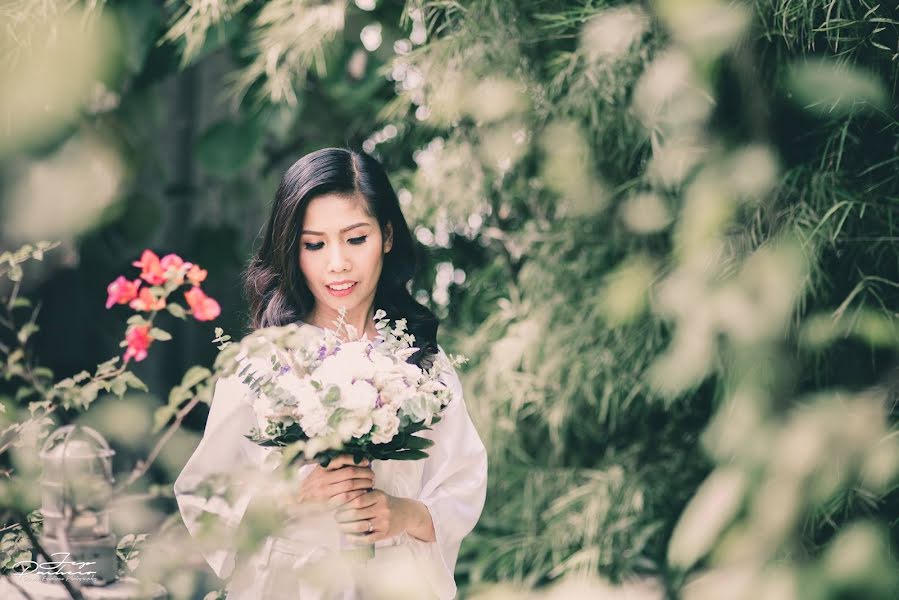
x: 338, y: 483
x: 389, y: 517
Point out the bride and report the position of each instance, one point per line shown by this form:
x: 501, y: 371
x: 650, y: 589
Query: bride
x: 336, y: 237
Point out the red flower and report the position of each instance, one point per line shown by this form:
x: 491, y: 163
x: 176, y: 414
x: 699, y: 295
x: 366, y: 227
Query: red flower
x: 121, y: 291
x: 151, y: 269
x: 196, y: 275
x: 138, y: 339
x: 147, y: 301
x: 204, y: 308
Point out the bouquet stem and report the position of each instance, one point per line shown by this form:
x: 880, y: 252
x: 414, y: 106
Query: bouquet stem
x: 361, y: 553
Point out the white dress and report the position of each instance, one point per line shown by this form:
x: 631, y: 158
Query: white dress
x: 451, y: 482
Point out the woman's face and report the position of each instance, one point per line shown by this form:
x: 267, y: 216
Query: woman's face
x: 340, y: 244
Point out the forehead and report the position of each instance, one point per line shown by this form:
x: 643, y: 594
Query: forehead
x: 332, y: 212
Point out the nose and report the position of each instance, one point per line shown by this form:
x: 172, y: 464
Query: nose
x: 337, y: 261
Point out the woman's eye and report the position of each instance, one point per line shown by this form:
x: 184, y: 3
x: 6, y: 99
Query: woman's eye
x: 318, y: 245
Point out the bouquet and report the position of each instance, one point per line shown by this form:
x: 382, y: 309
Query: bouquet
x: 316, y: 396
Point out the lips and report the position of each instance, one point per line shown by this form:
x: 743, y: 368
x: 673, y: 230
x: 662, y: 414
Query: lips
x: 343, y: 292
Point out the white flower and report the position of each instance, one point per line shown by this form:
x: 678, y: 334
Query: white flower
x: 365, y: 424
x: 381, y: 362
x: 359, y: 396
x: 332, y: 371
x: 395, y: 393
x: 410, y: 372
x: 351, y: 362
x: 300, y: 389
x: 314, y: 421
x: 353, y: 426
x: 387, y: 425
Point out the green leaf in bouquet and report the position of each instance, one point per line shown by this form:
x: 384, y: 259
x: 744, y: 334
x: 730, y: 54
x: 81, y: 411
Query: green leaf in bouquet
x: 336, y: 417
x: 408, y: 455
x: 332, y: 396
x: 418, y: 443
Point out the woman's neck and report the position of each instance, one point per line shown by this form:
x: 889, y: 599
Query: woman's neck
x: 364, y: 325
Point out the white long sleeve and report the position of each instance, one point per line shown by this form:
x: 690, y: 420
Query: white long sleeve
x: 223, y: 450
x: 454, y: 487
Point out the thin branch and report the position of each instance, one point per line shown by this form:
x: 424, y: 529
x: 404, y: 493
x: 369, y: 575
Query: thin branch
x: 141, y: 467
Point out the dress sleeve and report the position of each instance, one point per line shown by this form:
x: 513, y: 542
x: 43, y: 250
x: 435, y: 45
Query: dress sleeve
x: 224, y: 451
x: 454, y: 487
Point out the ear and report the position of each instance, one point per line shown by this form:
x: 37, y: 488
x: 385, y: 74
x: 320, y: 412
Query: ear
x: 388, y: 238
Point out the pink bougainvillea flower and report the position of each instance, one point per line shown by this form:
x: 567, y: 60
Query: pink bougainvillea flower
x: 121, y: 291
x: 138, y: 340
x: 171, y: 260
x: 196, y: 275
x: 174, y: 267
x: 147, y: 301
x: 204, y: 308
x: 151, y: 268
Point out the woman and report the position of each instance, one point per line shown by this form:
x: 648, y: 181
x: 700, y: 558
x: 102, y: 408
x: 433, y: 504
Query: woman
x: 336, y: 237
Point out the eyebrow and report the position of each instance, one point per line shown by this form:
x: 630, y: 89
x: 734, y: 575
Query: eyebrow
x: 341, y: 231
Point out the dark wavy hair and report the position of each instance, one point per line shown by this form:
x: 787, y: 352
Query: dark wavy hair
x: 273, y: 282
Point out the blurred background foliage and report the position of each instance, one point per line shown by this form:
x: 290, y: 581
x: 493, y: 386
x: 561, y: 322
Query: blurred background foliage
x: 664, y: 232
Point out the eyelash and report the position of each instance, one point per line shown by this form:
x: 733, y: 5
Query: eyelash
x: 362, y: 238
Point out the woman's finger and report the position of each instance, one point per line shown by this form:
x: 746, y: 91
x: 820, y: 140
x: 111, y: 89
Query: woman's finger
x: 364, y: 500
x: 350, y: 473
x: 356, y: 514
x: 343, y: 460
x: 349, y: 485
x: 357, y: 527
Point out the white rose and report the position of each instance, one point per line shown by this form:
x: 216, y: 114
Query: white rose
x: 351, y: 424
x: 365, y: 423
x: 359, y: 396
x: 332, y: 371
x: 381, y: 362
x: 315, y: 421
x: 300, y: 389
x: 387, y: 425
x: 394, y: 393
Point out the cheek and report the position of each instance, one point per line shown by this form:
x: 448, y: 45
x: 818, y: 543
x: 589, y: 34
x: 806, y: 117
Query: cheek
x: 306, y: 264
